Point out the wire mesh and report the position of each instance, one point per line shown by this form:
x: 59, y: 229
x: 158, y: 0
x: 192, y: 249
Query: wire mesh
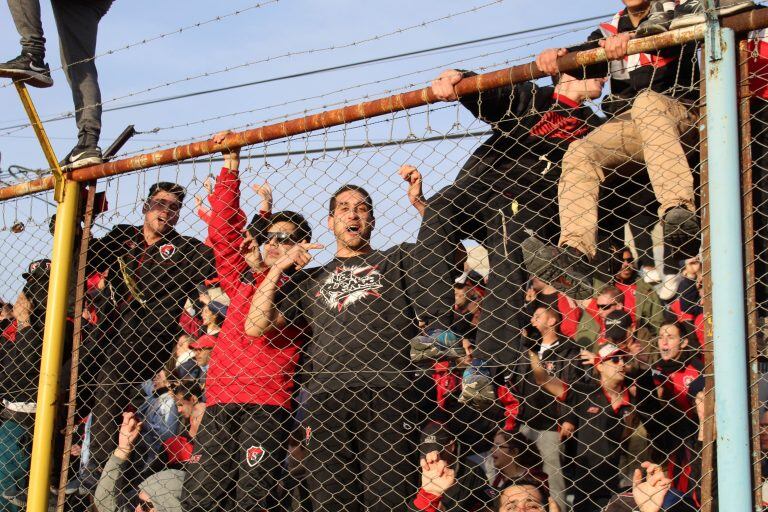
x: 462, y: 306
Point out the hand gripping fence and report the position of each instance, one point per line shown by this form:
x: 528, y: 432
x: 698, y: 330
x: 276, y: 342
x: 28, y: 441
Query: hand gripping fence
x: 367, y: 308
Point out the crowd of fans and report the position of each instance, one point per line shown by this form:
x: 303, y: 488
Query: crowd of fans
x: 234, y: 374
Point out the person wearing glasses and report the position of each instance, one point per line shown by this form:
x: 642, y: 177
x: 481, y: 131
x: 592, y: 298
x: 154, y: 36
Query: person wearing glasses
x: 151, y: 271
x: 241, y: 442
x: 363, y: 409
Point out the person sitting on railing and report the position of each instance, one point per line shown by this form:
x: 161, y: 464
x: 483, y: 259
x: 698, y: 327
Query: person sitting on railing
x: 651, y: 122
x: 504, y: 191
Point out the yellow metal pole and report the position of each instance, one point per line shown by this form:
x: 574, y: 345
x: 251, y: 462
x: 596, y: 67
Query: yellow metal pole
x: 67, y: 195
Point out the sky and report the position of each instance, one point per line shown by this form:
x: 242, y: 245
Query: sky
x: 275, y: 39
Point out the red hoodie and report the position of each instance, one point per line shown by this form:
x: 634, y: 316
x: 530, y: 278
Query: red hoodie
x: 244, y: 369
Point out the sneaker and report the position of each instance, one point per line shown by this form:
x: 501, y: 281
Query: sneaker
x: 477, y: 387
x: 650, y: 275
x: 435, y: 345
x: 681, y: 229
x: 30, y: 68
x: 16, y: 496
x: 658, y: 20
x: 563, y: 268
x: 82, y: 156
x: 667, y: 289
x: 692, y: 12
x: 73, y: 486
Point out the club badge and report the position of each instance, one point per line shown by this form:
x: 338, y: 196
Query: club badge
x: 254, y: 455
x: 167, y: 250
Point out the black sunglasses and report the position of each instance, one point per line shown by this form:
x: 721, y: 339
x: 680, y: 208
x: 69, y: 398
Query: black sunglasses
x: 606, y: 306
x: 146, y: 506
x: 279, y: 237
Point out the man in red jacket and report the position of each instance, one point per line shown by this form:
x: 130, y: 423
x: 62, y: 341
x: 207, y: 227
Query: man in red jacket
x: 244, y: 432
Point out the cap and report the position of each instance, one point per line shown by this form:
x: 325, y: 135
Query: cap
x: 178, y: 449
x: 44, y: 263
x: 471, y: 276
x: 204, y: 341
x: 617, y: 326
x: 609, y: 350
x: 217, y: 308
x: 434, y: 438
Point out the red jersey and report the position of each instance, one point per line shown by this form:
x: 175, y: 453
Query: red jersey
x: 244, y: 369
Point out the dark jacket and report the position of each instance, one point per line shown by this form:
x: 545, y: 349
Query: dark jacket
x: 671, y: 71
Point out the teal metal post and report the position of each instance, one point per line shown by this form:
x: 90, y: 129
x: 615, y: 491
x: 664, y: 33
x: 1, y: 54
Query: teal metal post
x: 734, y: 474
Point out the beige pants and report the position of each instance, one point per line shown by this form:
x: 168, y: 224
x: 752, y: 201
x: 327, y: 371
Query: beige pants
x: 652, y: 132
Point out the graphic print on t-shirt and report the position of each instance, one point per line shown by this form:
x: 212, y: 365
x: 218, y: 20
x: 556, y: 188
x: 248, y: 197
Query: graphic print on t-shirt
x: 347, y: 285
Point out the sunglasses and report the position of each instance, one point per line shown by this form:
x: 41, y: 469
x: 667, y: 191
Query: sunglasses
x: 146, y: 506
x: 280, y: 237
x: 606, y: 306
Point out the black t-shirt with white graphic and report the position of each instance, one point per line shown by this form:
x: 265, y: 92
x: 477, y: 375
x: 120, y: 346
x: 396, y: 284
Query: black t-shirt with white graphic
x: 361, y: 319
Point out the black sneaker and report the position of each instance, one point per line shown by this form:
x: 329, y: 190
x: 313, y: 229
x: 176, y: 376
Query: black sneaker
x: 692, y: 11
x: 82, y: 156
x: 563, y: 268
x: 681, y: 229
x: 16, y: 496
x: 29, y: 68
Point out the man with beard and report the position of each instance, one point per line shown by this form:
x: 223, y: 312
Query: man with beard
x: 362, y: 414
x: 151, y: 271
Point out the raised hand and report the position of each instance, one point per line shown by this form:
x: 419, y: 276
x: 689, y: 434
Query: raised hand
x: 264, y: 191
x: 129, y: 432
x: 546, y: 61
x: 444, y: 85
x: 649, y: 493
x: 297, y: 256
x: 436, y: 476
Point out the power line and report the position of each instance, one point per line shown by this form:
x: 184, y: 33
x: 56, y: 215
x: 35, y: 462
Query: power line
x: 311, y: 51
x: 322, y: 70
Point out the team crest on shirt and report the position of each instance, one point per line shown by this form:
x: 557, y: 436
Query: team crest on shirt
x: 167, y: 250
x: 347, y: 285
x: 687, y: 381
x: 254, y: 455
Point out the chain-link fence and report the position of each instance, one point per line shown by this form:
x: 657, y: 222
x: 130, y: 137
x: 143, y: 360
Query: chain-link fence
x: 472, y: 305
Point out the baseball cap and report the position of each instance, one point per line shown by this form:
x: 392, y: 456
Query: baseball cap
x: 44, y: 263
x: 609, y: 350
x: 434, y: 438
x: 470, y: 277
x: 617, y: 325
x: 204, y: 341
x: 217, y: 308
x: 178, y: 449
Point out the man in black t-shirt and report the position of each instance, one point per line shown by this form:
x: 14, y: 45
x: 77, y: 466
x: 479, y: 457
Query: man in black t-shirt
x: 361, y: 414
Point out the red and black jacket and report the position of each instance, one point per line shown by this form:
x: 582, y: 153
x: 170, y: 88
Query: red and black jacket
x: 670, y: 71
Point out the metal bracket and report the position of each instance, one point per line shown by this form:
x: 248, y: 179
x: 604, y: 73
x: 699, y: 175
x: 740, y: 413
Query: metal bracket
x: 715, y: 48
x: 59, y: 178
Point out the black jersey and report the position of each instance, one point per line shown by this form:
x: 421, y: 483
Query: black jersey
x: 151, y: 281
x: 361, y: 320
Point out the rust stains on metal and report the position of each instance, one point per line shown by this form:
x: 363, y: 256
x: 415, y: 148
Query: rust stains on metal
x: 740, y: 23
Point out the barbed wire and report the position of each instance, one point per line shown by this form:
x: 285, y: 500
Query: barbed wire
x: 312, y: 51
